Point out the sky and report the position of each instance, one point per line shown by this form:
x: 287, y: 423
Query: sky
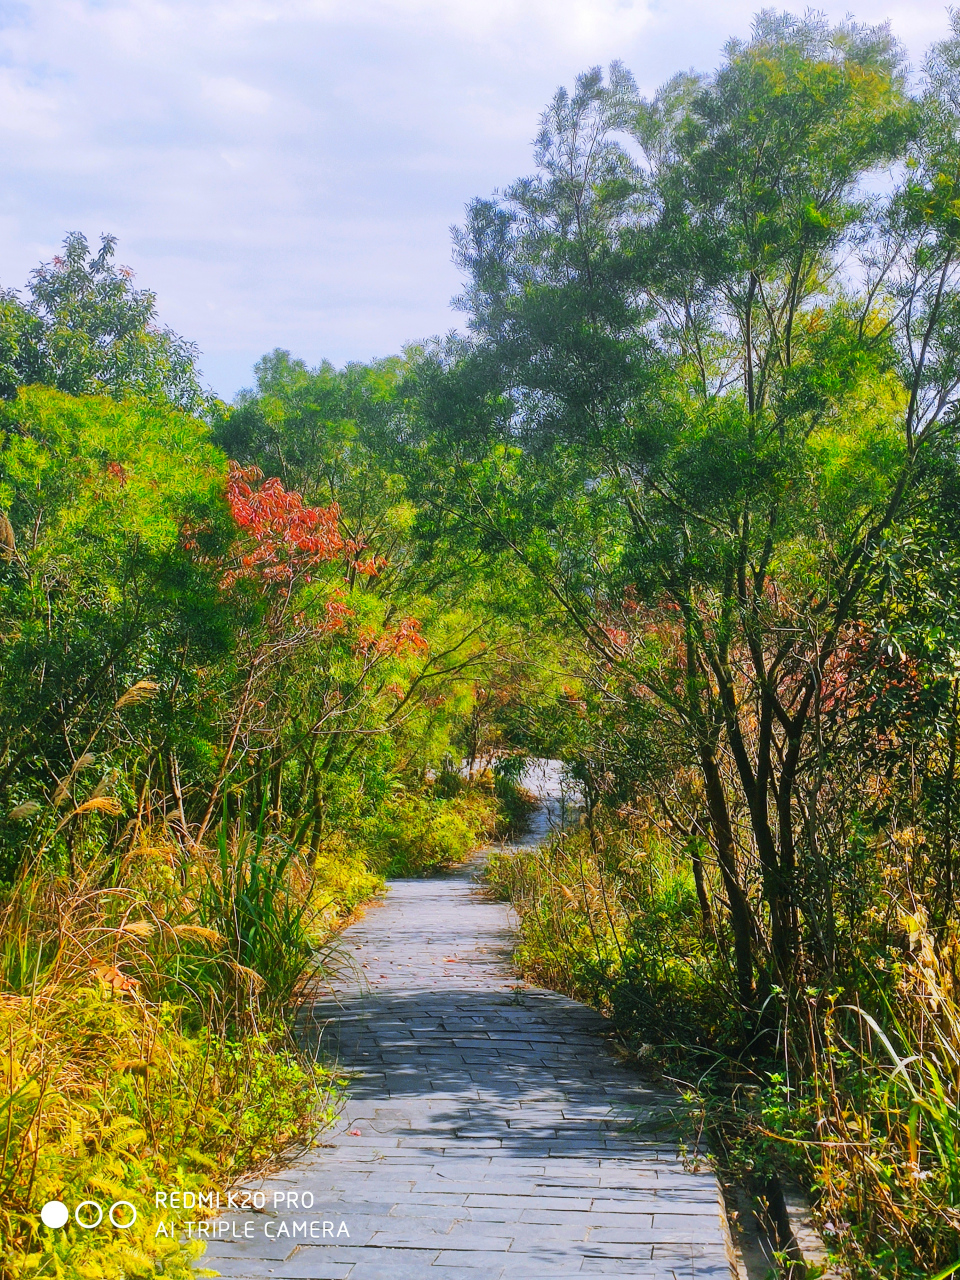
x: 285, y: 173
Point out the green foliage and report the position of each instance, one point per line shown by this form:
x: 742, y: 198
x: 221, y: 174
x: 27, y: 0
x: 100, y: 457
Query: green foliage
x: 692, y: 434
x: 84, y: 475
x: 417, y: 834
x: 706, y: 413
x: 391, y: 708
x: 317, y: 429
x: 85, y: 330
x: 143, y: 1051
x: 105, y: 616
x: 615, y: 921
x: 193, y: 652
x: 249, y: 902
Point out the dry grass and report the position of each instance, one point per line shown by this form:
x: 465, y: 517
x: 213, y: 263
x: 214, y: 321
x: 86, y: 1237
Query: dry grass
x: 863, y: 1103
x: 141, y: 1050
x: 881, y: 1119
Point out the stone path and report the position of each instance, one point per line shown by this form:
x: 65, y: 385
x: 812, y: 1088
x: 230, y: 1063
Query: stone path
x: 489, y: 1132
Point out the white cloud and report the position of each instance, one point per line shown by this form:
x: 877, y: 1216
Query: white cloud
x: 25, y: 111
x: 580, y: 25
x: 234, y: 96
x: 283, y: 172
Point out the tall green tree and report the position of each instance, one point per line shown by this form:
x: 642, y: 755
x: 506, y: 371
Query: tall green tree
x: 708, y: 377
x: 320, y: 431
x: 84, y: 329
x: 100, y: 595
x: 357, y: 704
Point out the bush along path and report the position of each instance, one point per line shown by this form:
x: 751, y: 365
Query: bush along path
x: 489, y: 1132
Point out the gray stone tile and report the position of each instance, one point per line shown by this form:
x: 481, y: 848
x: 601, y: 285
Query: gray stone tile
x: 386, y: 1268
x: 492, y: 1134
x: 486, y: 1264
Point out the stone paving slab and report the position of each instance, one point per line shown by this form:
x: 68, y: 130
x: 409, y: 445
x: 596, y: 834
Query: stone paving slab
x: 489, y: 1133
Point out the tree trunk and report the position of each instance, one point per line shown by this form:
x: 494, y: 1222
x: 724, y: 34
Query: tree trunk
x: 741, y: 917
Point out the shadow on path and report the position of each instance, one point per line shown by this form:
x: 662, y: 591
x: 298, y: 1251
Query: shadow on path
x: 489, y: 1132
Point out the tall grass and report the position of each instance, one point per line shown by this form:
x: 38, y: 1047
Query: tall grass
x: 874, y: 1124
x: 612, y: 918
x: 860, y: 1100
x: 251, y: 899
x: 143, y: 1041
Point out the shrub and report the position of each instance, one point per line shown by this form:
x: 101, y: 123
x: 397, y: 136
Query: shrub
x: 145, y: 1045
x: 416, y: 833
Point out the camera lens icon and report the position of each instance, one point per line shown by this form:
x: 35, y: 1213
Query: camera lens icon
x: 54, y: 1214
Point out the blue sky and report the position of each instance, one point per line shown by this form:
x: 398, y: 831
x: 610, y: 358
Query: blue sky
x: 285, y: 172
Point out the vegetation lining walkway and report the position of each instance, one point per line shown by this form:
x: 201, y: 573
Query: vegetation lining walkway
x: 489, y: 1132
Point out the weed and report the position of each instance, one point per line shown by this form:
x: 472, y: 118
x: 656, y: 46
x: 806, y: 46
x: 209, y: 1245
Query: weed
x: 144, y: 1043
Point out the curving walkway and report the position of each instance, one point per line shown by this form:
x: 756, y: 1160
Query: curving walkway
x: 489, y: 1132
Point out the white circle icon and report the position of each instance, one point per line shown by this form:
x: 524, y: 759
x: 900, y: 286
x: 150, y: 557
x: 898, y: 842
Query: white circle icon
x: 54, y: 1214
x: 122, y: 1226
x: 87, y: 1226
